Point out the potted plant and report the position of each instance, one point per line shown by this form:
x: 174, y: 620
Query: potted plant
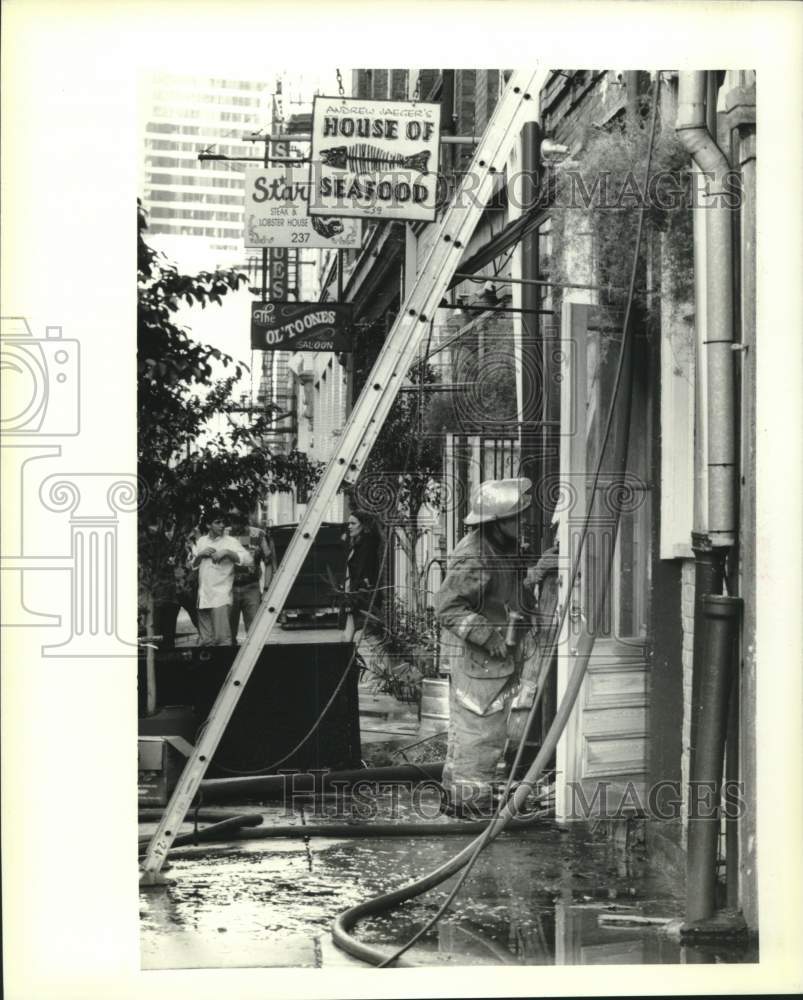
x: 405, y: 649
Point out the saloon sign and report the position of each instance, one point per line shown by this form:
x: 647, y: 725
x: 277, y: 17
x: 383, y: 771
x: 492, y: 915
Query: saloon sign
x: 276, y: 213
x: 300, y: 326
x: 374, y: 159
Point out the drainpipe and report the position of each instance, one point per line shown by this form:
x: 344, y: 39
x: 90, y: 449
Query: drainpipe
x: 722, y: 623
x: 700, y: 512
x: 709, y: 575
x: 747, y: 687
x: 720, y: 431
x: 532, y: 448
x: 715, y: 520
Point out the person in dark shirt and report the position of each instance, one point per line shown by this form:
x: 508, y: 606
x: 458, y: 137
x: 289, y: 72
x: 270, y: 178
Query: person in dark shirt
x: 362, y: 567
x: 173, y: 585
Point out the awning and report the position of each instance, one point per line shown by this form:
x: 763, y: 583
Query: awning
x: 508, y: 237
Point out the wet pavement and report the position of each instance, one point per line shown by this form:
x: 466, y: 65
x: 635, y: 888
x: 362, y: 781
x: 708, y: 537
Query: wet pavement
x: 533, y: 898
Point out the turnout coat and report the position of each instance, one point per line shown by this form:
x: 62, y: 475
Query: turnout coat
x: 480, y: 585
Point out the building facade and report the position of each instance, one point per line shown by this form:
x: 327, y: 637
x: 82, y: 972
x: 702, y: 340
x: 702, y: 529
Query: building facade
x: 525, y: 352
x: 191, y: 202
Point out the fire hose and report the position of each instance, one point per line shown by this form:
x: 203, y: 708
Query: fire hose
x: 509, y: 807
x: 249, y: 827
x: 347, y: 920
x: 273, y: 786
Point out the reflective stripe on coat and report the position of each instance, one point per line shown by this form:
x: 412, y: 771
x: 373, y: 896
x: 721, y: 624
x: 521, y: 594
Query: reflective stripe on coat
x: 472, y: 602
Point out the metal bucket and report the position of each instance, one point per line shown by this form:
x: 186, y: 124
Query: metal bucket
x: 434, y: 703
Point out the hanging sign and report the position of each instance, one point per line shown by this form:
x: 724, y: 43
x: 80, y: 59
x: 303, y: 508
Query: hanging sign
x: 374, y: 159
x: 279, y: 256
x: 276, y: 213
x: 301, y: 326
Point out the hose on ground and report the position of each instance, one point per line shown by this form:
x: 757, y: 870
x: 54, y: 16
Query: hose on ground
x: 283, y: 786
x: 217, y: 831
x: 245, y: 831
x: 153, y: 814
x: 509, y: 807
x: 346, y: 921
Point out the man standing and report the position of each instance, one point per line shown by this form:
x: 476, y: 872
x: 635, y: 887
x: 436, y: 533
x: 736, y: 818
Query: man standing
x: 481, y: 587
x: 173, y: 588
x: 247, y: 590
x: 215, y: 555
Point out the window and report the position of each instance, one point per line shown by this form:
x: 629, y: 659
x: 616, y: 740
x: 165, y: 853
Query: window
x: 191, y: 196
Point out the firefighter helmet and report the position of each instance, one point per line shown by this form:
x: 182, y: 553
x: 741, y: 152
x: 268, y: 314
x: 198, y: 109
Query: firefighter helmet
x: 496, y: 499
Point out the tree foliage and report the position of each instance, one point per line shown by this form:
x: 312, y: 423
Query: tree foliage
x: 601, y: 196
x: 406, y: 459
x: 483, y: 364
x: 195, y: 452
x: 405, y: 471
x: 404, y: 468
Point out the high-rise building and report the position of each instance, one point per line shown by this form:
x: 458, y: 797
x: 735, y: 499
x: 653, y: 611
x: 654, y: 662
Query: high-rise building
x: 196, y: 208
x: 196, y: 213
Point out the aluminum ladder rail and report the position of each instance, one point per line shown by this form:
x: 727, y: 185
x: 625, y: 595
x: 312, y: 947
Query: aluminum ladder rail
x: 441, y: 259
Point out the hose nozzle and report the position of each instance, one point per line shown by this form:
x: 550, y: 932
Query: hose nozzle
x: 515, y: 620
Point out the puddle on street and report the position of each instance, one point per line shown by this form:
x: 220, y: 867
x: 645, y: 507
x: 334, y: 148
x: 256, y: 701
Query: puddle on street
x: 533, y: 898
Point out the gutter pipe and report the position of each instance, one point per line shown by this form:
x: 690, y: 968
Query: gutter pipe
x: 715, y: 515
x: 693, y: 133
x: 705, y: 792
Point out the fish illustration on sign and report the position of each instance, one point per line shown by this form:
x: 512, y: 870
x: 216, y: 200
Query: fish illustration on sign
x: 326, y: 226
x: 363, y: 158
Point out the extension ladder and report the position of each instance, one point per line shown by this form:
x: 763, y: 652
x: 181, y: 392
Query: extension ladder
x: 424, y: 293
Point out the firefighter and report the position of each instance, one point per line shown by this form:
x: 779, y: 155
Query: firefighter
x: 481, y: 587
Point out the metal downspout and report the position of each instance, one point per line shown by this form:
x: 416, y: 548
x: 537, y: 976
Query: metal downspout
x: 747, y: 879
x: 715, y: 521
x: 720, y: 431
x: 533, y: 381
x: 705, y: 793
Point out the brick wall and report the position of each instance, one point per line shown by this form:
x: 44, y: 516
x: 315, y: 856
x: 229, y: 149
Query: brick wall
x: 362, y: 83
x: 427, y: 80
x: 398, y: 84
x: 486, y: 95
x: 569, y: 107
x: 379, y: 86
x: 395, y: 84
x: 465, y: 85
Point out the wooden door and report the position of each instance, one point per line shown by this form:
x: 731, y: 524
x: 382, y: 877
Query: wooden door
x: 602, y: 756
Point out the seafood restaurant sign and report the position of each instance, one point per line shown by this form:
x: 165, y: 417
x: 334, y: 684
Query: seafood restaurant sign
x: 276, y: 213
x: 300, y: 326
x: 374, y: 159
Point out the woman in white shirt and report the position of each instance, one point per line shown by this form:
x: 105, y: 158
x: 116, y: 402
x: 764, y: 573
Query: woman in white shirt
x: 215, y: 555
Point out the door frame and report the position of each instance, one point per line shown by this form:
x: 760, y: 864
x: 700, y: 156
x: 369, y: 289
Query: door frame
x: 615, y: 687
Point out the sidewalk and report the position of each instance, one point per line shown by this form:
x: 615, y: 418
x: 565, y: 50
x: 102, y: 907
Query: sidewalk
x: 534, y: 897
